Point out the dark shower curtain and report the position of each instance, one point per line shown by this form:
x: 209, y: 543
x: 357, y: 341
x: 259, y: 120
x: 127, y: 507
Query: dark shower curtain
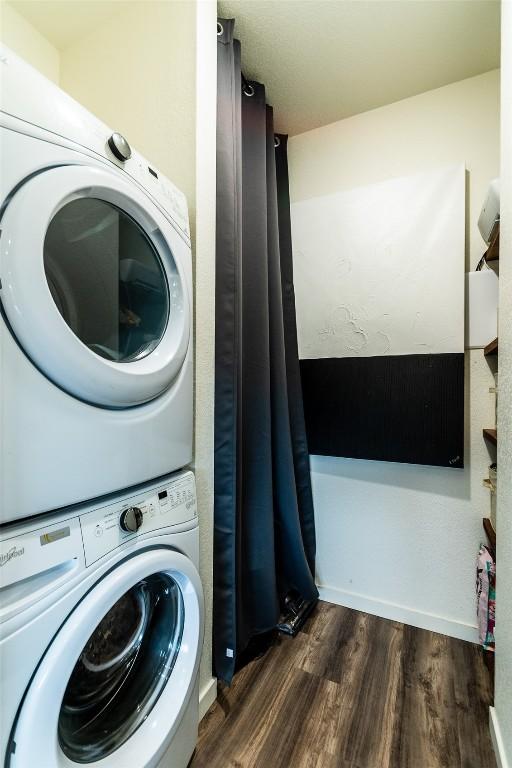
x: 264, y: 544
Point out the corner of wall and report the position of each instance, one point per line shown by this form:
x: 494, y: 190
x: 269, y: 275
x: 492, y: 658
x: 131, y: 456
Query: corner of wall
x: 206, y: 120
x: 26, y: 41
x: 501, y: 718
x: 497, y: 739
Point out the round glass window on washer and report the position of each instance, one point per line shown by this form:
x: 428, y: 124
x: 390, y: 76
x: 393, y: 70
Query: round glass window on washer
x: 106, y: 279
x: 122, y: 670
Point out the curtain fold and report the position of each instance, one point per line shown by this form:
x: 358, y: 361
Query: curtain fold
x: 264, y: 544
x: 227, y: 346
x: 295, y: 405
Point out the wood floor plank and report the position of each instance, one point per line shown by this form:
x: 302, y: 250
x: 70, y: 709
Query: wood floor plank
x: 317, y: 745
x: 248, y: 709
x: 332, y: 630
x: 286, y: 725
x: 427, y: 727
x: 473, y: 695
x: 365, y: 735
x: 353, y: 691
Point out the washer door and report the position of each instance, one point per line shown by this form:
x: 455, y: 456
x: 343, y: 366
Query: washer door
x: 113, y: 685
x: 93, y: 285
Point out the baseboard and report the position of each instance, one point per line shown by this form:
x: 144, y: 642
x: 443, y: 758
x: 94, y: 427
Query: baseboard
x: 207, y: 696
x: 400, y: 613
x: 497, y: 740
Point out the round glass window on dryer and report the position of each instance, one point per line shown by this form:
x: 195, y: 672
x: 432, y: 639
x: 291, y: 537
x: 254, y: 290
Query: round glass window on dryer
x: 106, y: 279
x: 99, y: 302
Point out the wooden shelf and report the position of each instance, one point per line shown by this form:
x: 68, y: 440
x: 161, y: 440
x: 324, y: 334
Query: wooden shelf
x: 493, y: 251
x: 489, y: 663
x: 491, y: 348
x: 491, y: 533
x: 491, y: 435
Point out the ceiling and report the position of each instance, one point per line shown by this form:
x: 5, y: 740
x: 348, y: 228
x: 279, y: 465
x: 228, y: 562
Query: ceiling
x: 324, y: 60
x: 63, y: 22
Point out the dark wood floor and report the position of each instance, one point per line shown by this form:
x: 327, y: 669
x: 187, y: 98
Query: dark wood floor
x: 353, y: 691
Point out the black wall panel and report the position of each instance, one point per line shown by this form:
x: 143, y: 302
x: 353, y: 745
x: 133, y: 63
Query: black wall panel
x: 404, y: 408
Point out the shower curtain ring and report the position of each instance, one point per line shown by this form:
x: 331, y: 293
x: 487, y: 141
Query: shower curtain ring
x: 220, y: 28
x: 277, y: 142
x: 248, y: 90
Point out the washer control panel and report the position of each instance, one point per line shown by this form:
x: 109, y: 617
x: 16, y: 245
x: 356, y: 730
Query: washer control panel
x: 108, y: 527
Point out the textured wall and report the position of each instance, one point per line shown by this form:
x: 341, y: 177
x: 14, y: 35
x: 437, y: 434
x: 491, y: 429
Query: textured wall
x: 381, y: 292
x: 25, y: 40
x: 401, y: 540
x: 503, y: 702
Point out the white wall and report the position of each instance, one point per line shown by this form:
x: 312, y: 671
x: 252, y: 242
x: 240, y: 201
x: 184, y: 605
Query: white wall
x: 25, y: 40
x: 401, y: 540
x: 501, y: 723
x: 392, y: 265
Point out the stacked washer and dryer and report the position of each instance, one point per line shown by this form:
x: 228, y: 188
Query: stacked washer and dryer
x: 101, y: 613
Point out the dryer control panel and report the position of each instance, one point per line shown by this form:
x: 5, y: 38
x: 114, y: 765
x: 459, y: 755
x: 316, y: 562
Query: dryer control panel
x: 108, y: 527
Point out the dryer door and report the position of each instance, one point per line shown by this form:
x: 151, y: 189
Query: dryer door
x: 94, y: 285
x: 114, y: 684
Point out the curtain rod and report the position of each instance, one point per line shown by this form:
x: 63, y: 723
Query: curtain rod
x: 246, y: 86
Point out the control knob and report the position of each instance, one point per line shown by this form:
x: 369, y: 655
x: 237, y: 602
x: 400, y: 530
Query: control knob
x: 131, y: 519
x: 119, y: 147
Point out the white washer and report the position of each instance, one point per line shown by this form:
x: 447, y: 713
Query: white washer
x: 96, y: 305
x: 101, y: 632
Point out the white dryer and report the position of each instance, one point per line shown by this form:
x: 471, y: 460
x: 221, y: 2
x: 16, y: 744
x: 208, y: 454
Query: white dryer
x: 96, y: 305
x: 101, y: 630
